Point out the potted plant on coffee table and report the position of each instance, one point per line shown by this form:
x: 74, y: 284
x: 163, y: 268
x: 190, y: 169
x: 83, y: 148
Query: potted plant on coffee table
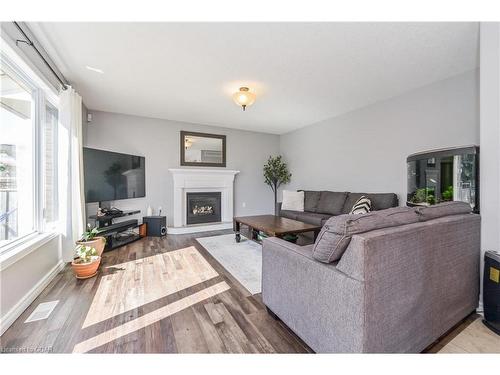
x: 86, y: 262
x: 91, y: 238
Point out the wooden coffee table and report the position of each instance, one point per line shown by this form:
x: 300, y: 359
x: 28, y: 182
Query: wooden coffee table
x: 274, y: 226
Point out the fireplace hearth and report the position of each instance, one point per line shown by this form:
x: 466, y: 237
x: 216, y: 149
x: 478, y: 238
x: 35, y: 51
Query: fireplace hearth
x: 204, y: 207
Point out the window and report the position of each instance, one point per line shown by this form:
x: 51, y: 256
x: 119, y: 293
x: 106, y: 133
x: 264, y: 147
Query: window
x: 16, y: 159
x: 28, y: 155
x: 49, y: 138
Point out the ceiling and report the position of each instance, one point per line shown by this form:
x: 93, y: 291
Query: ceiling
x: 302, y: 73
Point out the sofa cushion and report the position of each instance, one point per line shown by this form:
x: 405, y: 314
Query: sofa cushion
x: 336, y: 234
x: 380, y: 201
x: 443, y: 209
x: 289, y: 214
x: 391, y: 217
x: 293, y: 200
x: 329, y: 246
x: 331, y: 202
x: 312, y: 218
x: 311, y: 200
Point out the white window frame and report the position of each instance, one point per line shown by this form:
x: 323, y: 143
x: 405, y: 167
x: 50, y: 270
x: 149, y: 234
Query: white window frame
x: 43, y: 224
x: 42, y: 93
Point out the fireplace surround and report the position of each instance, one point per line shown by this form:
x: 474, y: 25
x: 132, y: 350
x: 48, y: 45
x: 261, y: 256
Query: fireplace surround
x: 201, y: 180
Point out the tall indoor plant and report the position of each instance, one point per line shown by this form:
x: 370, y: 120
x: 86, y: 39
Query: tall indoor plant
x: 276, y: 173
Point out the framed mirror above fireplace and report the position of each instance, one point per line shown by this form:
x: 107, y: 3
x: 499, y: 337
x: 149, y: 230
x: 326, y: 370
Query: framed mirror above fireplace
x: 202, y: 149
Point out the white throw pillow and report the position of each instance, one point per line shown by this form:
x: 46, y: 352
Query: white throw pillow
x: 293, y: 200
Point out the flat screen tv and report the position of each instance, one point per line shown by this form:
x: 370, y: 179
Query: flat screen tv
x: 111, y: 176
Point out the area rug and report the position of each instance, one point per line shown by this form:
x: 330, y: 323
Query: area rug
x: 242, y: 260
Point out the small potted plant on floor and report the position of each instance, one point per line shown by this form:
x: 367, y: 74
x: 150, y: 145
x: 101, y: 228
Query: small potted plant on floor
x: 90, y: 238
x: 86, y: 262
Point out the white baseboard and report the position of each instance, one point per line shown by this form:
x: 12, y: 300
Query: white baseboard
x: 198, y: 228
x: 10, y: 317
x: 480, y: 308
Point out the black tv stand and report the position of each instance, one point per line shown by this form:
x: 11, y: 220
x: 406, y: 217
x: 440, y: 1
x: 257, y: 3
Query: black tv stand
x: 105, y: 220
x: 117, y: 234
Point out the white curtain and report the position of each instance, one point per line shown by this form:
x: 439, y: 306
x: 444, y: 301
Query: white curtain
x: 71, y: 197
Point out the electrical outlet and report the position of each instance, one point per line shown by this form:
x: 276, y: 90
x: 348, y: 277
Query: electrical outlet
x: 244, y: 204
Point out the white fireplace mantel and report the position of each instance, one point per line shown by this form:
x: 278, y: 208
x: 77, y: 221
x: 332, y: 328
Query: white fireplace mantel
x: 202, y: 180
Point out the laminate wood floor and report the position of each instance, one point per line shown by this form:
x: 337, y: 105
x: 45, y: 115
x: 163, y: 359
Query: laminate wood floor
x: 156, y: 295
x: 164, y: 295
x: 475, y: 338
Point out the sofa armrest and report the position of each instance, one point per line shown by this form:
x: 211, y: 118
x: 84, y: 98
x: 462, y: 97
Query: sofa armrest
x: 271, y: 243
x: 318, y: 302
x: 425, y: 273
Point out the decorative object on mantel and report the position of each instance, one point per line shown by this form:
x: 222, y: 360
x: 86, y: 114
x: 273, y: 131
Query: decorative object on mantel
x: 276, y: 173
x: 202, y: 149
x: 149, y: 211
x: 244, y: 97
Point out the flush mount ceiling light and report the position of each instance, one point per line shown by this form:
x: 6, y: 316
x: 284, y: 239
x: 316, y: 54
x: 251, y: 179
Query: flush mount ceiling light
x: 244, y: 97
x: 97, y: 70
x: 188, y: 143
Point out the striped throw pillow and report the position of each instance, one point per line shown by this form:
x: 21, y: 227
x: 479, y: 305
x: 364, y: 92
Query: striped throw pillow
x: 362, y: 206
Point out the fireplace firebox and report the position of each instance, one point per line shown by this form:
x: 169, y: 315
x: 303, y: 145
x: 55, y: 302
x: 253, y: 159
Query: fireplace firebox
x: 204, y: 207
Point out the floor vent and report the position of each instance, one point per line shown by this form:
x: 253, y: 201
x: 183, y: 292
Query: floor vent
x: 42, y: 311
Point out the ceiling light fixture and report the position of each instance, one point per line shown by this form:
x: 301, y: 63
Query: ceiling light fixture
x: 188, y: 143
x: 95, y: 69
x: 244, y: 97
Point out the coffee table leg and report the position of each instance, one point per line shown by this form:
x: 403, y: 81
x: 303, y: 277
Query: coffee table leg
x: 255, y: 234
x: 236, y: 228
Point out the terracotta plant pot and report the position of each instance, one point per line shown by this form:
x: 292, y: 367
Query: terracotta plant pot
x: 97, y: 243
x: 86, y: 270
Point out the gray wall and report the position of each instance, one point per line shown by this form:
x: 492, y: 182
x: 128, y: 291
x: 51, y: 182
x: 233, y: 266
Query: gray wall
x: 365, y: 150
x: 24, y: 280
x: 490, y: 137
x: 158, y: 141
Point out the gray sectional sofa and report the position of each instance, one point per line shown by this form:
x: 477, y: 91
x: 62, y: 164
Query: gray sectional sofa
x: 388, y: 281
x: 319, y: 206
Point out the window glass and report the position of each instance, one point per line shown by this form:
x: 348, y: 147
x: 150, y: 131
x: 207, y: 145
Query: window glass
x: 16, y: 159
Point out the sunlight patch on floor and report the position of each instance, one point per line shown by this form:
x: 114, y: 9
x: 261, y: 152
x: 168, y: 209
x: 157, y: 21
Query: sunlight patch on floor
x: 476, y: 338
x: 138, y: 282
x: 150, y: 318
